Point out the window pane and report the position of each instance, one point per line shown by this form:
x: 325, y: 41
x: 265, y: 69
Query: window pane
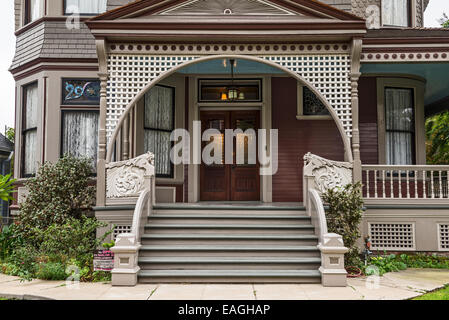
x: 80, y: 134
x: 35, y: 11
x: 159, y: 102
x: 312, y: 106
x: 395, y: 13
x: 30, y: 152
x: 31, y: 106
x: 399, y: 125
x: 158, y: 142
x: 85, y: 6
x: 400, y: 148
x: 399, y: 109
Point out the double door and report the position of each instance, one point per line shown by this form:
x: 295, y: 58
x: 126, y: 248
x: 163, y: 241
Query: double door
x: 239, y: 180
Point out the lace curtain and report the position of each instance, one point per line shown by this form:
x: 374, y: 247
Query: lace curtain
x: 86, y: 6
x: 30, y: 130
x: 35, y: 11
x: 395, y: 13
x: 159, y: 123
x: 400, y: 126
x: 80, y: 134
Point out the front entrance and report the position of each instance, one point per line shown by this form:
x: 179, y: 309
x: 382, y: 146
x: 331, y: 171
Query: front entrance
x: 231, y: 182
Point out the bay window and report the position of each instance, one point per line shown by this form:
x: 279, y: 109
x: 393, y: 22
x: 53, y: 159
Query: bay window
x: 85, y: 7
x: 29, y: 130
x: 80, y: 134
x: 158, y: 125
x: 32, y: 10
x: 400, y: 126
x: 396, y: 13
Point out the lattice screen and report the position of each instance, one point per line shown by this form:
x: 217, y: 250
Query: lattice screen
x: 130, y: 73
x: 392, y: 236
x: 443, y: 236
x: 121, y: 229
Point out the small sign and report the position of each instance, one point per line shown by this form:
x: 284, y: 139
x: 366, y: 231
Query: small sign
x: 103, y: 260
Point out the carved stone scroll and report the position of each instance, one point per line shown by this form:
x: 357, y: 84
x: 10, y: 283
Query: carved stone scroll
x: 326, y: 174
x: 128, y: 178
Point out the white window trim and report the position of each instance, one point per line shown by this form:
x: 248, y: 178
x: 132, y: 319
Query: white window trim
x: 418, y: 98
x: 300, y: 108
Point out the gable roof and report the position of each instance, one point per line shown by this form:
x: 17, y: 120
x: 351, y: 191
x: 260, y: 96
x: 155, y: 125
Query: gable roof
x: 310, y: 8
x: 5, y: 144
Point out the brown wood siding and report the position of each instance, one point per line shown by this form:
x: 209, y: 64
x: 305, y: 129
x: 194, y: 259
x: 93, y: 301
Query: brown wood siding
x: 368, y: 120
x: 296, y: 138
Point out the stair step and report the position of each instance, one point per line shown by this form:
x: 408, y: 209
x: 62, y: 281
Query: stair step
x: 227, y: 248
x: 230, y: 276
x: 228, y: 226
x: 227, y: 260
x: 229, y: 237
x: 229, y: 216
x: 234, y: 207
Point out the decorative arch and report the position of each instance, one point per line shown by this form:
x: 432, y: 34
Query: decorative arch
x: 168, y: 65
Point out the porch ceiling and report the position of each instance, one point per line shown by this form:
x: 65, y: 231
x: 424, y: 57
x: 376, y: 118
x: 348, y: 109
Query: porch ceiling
x: 243, y: 67
x: 435, y: 74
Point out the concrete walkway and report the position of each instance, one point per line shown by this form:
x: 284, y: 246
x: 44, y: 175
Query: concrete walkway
x: 392, y: 286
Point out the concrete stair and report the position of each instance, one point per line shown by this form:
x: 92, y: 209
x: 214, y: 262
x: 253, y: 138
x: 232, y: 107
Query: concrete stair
x: 229, y: 244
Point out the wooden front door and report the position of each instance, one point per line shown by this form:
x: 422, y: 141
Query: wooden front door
x: 236, y: 181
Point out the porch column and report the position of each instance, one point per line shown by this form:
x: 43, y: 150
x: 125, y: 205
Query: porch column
x: 102, y: 141
x: 356, y: 51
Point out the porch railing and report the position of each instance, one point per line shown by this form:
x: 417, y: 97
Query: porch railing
x: 419, y: 182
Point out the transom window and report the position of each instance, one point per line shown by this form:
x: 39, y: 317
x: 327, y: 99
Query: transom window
x: 400, y: 126
x: 396, y: 13
x: 85, y: 7
x: 159, y: 122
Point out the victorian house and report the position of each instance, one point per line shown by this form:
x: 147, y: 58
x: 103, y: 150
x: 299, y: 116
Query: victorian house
x: 345, y: 84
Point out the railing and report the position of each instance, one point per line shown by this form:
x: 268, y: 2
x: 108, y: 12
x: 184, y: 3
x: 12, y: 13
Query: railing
x: 419, y: 182
x: 123, y: 145
x: 315, y: 210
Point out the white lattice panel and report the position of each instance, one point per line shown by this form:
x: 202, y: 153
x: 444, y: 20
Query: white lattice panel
x: 130, y: 73
x: 121, y: 229
x: 392, y: 236
x: 443, y: 237
x: 329, y: 74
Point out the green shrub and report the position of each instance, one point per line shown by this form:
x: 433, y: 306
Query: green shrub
x: 344, y: 216
x: 51, y: 271
x: 75, y: 238
x: 58, y: 192
x: 24, y: 259
x: 6, y: 187
x: 7, y: 241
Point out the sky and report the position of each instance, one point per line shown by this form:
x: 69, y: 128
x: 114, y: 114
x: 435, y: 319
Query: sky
x: 7, y: 39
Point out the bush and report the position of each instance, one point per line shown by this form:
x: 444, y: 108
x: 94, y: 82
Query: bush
x: 344, y: 216
x: 6, y: 187
x: 58, y: 192
x: 51, y: 271
x: 53, y: 231
x: 393, y: 263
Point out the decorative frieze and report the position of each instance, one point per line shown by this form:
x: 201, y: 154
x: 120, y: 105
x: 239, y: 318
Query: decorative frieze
x: 405, y: 56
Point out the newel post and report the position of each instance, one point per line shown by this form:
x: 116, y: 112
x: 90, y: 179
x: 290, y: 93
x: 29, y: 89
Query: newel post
x: 356, y: 50
x: 333, y: 272
x: 126, y: 255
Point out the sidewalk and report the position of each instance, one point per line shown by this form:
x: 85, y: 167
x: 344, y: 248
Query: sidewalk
x: 392, y: 286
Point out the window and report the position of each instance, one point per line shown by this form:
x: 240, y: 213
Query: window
x: 159, y: 122
x: 29, y: 130
x: 80, y: 92
x: 310, y: 106
x: 80, y: 134
x: 396, y: 13
x: 85, y: 7
x: 399, y: 126
x: 32, y: 10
